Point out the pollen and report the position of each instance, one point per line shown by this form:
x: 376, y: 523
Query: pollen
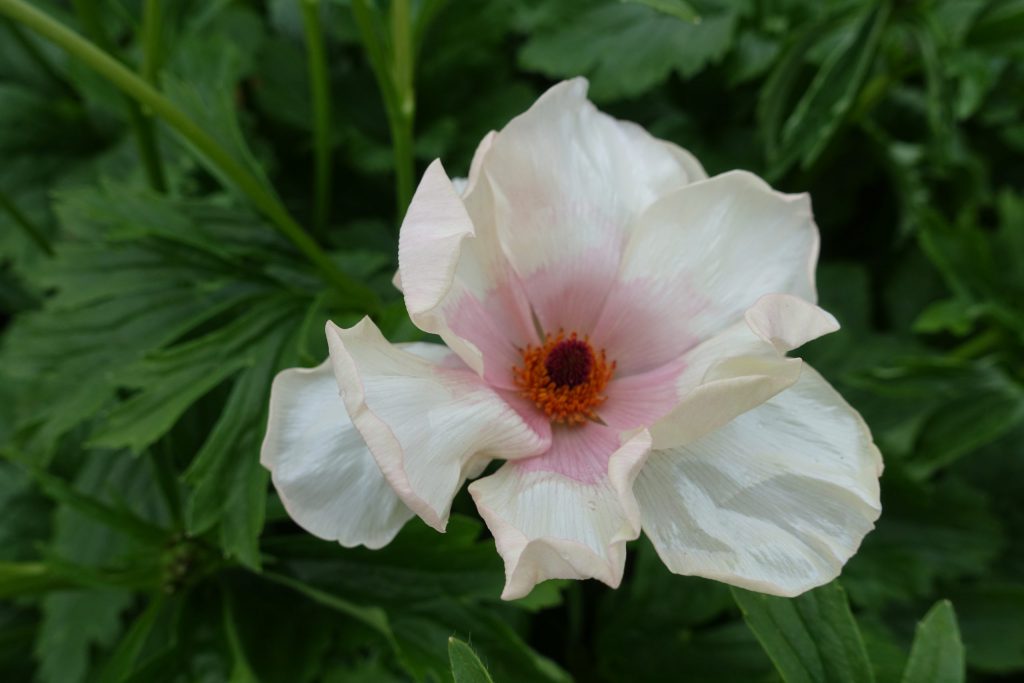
x: 564, y: 377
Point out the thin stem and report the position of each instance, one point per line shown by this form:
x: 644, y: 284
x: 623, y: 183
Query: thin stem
x: 149, y: 69
x: 321, y: 97
x: 145, y: 94
x: 402, y: 51
x: 22, y: 221
x: 399, y: 99
x: 402, y: 48
x: 151, y: 44
x: 145, y: 139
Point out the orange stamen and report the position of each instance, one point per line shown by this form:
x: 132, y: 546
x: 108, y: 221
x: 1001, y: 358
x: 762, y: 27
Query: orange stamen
x: 565, y: 378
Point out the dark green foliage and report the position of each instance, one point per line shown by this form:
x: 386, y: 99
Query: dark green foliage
x: 140, y: 331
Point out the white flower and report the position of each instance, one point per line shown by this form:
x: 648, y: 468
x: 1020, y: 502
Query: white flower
x: 616, y: 326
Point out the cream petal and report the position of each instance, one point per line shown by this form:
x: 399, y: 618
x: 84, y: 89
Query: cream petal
x: 788, y: 322
x: 567, y: 182
x: 775, y: 501
x: 427, y: 422
x: 736, y: 370
x: 548, y: 524
x: 456, y: 281
x: 697, y: 259
x: 537, y: 231
x: 326, y: 477
x: 694, y: 169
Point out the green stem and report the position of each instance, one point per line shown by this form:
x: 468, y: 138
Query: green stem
x: 394, y: 74
x: 401, y: 47
x: 89, y: 16
x: 22, y: 221
x: 151, y: 52
x: 401, y: 133
x: 145, y: 94
x: 321, y: 97
x: 145, y: 137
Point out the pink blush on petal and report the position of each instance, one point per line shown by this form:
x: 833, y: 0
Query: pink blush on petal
x: 499, y: 326
x: 645, y: 324
x: 579, y: 452
x: 570, y: 294
x: 642, y: 399
x: 531, y: 414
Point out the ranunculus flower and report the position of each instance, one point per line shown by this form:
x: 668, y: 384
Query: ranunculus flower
x: 616, y: 327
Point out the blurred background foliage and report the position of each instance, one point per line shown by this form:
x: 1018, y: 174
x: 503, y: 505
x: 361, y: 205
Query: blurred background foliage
x: 154, y: 276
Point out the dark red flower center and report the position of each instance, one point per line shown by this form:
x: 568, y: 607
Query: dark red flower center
x: 565, y: 377
x: 569, y: 362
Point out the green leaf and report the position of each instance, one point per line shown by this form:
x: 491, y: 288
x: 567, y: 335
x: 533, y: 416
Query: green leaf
x: 955, y: 316
x: 832, y: 94
x: 123, y: 288
x: 917, y: 543
x: 422, y: 634
x: 202, y: 75
x: 375, y: 618
x: 680, y: 9
x: 993, y: 632
x: 76, y: 622
x: 984, y: 410
x: 122, y: 659
x: 241, y: 671
x: 810, y: 639
x: 657, y: 611
x: 229, y: 484
x: 455, y: 565
x: 627, y: 49
x: 25, y: 511
x: 452, y: 587
x: 174, y: 378
x: 466, y: 666
x: 937, y: 655
x: 121, y: 520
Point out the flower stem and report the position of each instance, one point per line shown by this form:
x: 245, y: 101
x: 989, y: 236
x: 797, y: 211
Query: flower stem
x: 321, y: 98
x: 394, y: 74
x: 402, y: 49
x: 146, y: 95
x: 145, y: 137
x: 22, y: 221
x: 151, y: 53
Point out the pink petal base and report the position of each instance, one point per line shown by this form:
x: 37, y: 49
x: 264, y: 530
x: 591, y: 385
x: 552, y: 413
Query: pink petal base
x: 580, y: 453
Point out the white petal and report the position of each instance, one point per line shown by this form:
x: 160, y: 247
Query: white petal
x: 694, y: 169
x: 541, y: 223
x: 326, y: 477
x: 456, y: 280
x: 739, y: 368
x: 567, y: 183
x: 698, y: 259
x: 547, y: 524
x: 427, y: 422
x: 775, y: 501
x: 788, y: 322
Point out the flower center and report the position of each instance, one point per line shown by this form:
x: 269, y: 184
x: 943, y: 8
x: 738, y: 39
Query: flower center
x: 569, y: 363
x: 564, y: 377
